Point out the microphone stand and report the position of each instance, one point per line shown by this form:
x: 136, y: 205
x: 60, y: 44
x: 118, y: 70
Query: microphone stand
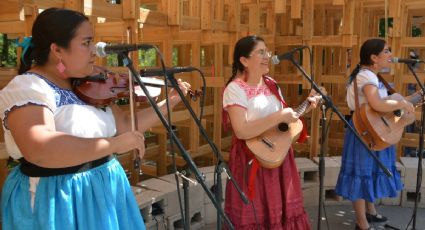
x: 330, y: 104
x: 321, y: 164
x: 199, y: 177
x: 221, y: 165
x: 421, y: 146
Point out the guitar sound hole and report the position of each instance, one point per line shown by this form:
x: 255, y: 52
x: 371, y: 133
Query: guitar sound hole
x: 283, y: 127
x: 397, y: 113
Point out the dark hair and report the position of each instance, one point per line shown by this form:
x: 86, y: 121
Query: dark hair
x: 53, y: 25
x: 369, y: 47
x: 243, y: 48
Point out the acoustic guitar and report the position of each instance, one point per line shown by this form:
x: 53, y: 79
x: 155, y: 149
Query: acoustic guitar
x: 270, y: 148
x: 380, y: 130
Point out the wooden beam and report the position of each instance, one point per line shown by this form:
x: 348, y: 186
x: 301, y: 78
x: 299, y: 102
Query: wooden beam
x: 11, y: 10
x: 296, y: 6
x: 101, y: 8
x: 338, y: 2
x: 191, y: 23
x: 206, y: 15
x: 174, y: 12
x: 280, y: 6
x: 254, y: 19
x: 77, y: 5
x: 130, y: 9
x: 44, y: 4
x: 234, y: 16
x: 154, y: 18
x: 13, y: 27
x: 308, y: 20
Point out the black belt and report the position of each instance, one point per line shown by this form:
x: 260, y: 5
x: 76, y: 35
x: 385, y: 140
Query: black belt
x: 33, y: 170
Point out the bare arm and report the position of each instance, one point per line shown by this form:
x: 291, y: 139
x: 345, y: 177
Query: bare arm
x: 147, y: 117
x: 245, y: 129
x: 385, y: 104
x: 33, y: 129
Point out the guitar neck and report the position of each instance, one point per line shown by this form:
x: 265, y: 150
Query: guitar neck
x: 300, y: 110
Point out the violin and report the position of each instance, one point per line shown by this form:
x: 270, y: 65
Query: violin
x: 106, y: 87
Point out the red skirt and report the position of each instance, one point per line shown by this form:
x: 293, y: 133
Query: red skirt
x: 277, y: 202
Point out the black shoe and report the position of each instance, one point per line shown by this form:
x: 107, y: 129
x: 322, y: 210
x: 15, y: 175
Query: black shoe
x: 375, y: 218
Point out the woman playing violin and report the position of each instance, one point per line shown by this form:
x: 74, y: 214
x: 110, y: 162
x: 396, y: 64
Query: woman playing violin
x: 67, y: 178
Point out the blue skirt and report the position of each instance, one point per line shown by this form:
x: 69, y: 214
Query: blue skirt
x: 360, y: 176
x: 100, y: 198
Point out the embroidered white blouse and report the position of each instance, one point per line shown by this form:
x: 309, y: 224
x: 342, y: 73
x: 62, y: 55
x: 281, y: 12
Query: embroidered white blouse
x: 258, y: 101
x: 72, y: 116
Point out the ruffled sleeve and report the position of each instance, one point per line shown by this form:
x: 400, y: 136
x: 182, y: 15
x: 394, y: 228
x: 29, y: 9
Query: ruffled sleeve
x: 23, y: 90
x: 365, y: 78
x: 234, y: 95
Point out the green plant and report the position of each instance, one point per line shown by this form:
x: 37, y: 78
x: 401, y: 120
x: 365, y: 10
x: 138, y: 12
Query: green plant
x: 8, y: 56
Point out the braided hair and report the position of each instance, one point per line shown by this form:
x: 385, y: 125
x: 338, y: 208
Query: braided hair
x: 369, y: 47
x: 243, y: 48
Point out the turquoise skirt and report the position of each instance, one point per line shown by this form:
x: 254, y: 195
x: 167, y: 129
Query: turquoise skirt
x: 100, y: 198
x: 360, y: 176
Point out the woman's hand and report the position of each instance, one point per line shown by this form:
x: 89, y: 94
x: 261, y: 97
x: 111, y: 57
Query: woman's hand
x: 314, y: 101
x: 184, y: 87
x: 288, y: 115
x: 408, y: 106
x: 131, y: 140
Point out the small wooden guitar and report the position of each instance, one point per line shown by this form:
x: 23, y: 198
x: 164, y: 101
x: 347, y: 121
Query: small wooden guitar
x: 380, y: 130
x: 270, y: 148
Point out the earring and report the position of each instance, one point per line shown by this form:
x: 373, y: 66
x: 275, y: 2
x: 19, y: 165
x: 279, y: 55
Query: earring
x: 60, y: 67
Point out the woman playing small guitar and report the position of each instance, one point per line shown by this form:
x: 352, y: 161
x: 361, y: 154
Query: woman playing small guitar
x: 254, y: 104
x: 360, y: 179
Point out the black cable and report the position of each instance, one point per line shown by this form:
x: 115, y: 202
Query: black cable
x: 173, y: 155
x: 204, y: 89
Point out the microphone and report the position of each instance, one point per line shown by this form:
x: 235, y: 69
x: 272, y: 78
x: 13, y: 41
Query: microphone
x: 103, y: 49
x: 277, y: 58
x: 168, y: 70
x: 405, y: 60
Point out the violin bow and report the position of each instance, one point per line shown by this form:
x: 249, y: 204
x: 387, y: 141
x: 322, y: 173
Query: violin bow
x: 135, y: 170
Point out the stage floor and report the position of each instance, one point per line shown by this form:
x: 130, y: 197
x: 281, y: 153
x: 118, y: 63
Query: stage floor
x: 341, y: 217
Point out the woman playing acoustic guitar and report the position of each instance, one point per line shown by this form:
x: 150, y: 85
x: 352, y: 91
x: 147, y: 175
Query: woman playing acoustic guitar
x: 254, y: 104
x: 360, y: 179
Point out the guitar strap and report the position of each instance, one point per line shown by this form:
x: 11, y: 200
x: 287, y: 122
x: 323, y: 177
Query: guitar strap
x: 390, y: 89
x: 363, y: 128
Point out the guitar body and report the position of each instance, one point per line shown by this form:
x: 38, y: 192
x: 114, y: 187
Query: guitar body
x: 380, y: 130
x: 271, y: 147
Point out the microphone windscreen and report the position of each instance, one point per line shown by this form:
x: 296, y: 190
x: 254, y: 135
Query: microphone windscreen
x: 275, y: 60
x: 100, y: 49
x: 394, y: 60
